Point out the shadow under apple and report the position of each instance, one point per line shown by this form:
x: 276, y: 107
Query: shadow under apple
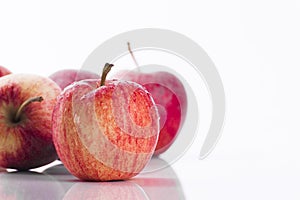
x: 62, y: 175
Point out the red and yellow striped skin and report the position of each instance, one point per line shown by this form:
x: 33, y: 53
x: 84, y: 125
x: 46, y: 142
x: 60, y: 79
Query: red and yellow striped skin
x: 104, y: 133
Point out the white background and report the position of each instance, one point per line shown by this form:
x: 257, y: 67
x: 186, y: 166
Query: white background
x: 254, y: 44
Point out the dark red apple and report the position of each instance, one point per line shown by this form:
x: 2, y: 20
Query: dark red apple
x: 170, y: 97
x: 105, y: 130
x: 68, y: 76
x: 26, y: 105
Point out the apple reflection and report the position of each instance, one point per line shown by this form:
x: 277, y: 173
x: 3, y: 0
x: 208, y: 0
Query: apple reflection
x: 106, y: 190
x: 157, y: 185
x: 57, y: 183
x: 77, y: 189
x: 29, y: 186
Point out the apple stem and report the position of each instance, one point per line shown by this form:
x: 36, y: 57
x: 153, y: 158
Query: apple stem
x: 24, y: 104
x: 132, y: 56
x: 107, y: 67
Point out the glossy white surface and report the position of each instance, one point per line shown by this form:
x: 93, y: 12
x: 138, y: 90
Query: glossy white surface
x: 215, y: 178
x: 254, y: 44
x: 55, y: 182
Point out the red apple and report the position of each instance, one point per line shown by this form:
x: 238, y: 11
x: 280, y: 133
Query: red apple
x: 26, y: 105
x: 170, y: 97
x: 4, y: 71
x: 105, y: 130
x: 66, y: 77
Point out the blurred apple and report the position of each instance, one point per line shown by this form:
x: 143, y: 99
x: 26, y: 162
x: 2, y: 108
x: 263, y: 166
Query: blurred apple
x: 67, y: 76
x: 105, y: 130
x: 170, y: 98
x: 26, y: 105
x: 4, y: 71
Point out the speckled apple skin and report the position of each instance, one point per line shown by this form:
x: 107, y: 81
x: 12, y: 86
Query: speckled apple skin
x: 170, y: 96
x: 105, y: 133
x: 27, y: 144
